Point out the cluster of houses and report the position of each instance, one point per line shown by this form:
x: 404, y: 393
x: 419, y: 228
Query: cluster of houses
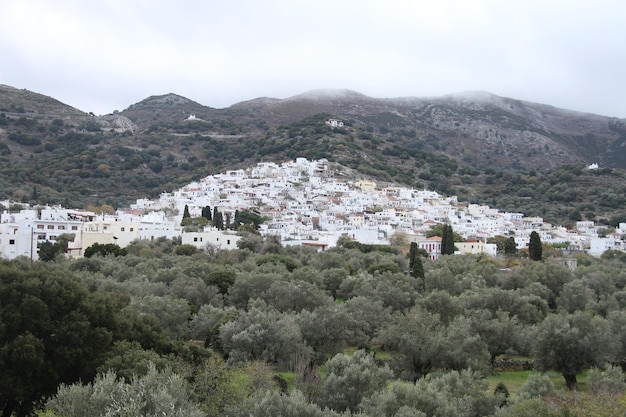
x: 304, y: 203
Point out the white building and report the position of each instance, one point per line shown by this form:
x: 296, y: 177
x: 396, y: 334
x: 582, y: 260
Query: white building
x: 217, y: 239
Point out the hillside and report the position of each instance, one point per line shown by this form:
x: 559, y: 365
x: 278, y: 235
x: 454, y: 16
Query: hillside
x: 510, y: 154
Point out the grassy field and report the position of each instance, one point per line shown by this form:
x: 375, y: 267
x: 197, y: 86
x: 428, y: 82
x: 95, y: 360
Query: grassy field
x: 514, y: 379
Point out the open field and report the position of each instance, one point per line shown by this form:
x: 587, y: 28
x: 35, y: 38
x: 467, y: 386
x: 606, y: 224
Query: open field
x: 514, y: 379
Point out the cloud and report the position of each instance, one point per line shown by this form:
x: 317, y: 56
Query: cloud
x: 107, y: 55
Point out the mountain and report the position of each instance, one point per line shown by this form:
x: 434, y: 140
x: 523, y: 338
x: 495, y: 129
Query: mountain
x: 512, y: 154
x: 475, y: 127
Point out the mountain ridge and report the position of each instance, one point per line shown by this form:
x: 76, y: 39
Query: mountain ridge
x: 455, y: 144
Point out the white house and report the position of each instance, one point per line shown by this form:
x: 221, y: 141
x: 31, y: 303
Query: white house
x: 334, y: 123
x: 476, y: 248
x: 432, y: 245
x: 217, y: 239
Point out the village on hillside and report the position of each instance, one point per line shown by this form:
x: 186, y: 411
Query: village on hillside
x: 304, y: 203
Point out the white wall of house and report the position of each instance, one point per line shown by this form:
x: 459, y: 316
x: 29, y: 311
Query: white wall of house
x: 476, y: 248
x: 217, y: 238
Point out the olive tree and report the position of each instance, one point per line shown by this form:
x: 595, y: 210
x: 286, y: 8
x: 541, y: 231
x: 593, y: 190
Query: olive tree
x: 424, y: 344
x: 262, y: 333
x: 350, y: 378
x: 158, y: 393
x: 572, y: 343
x: 449, y: 394
x: 275, y: 404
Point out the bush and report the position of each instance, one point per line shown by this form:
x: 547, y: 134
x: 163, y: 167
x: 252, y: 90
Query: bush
x: 536, y: 386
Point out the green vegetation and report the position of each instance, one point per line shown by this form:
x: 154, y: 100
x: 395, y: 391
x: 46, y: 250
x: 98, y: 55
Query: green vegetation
x: 273, y: 329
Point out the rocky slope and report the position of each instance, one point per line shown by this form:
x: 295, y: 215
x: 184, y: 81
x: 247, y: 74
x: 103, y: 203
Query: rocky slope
x: 479, y: 146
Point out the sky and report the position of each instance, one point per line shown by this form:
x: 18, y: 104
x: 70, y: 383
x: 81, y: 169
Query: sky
x: 105, y: 55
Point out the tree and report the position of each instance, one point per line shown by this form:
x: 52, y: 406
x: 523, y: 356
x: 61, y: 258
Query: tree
x: 536, y: 386
x: 510, y: 247
x: 104, y: 249
x: 262, y: 333
x: 273, y: 404
x: 48, y: 251
x: 416, y: 267
x: 423, y: 344
x: 247, y: 217
x: 534, y: 246
x: 573, y: 343
x: 185, y: 250
x: 449, y: 394
x: 218, y: 219
x: 447, y: 240
x: 186, y: 212
x: 609, y: 381
x: 206, y: 213
x: 444, y: 239
x: 437, y: 230
x: 171, y: 313
x: 217, y: 386
x: 158, y: 393
x: 350, y: 379
x: 52, y: 331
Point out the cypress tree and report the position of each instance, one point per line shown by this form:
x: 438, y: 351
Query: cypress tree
x: 534, y: 247
x: 447, y: 240
x: 510, y: 247
x: 450, y: 241
x: 416, y: 267
x: 444, y: 239
x: 218, y: 220
x: 186, y: 212
x: 412, y: 255
x: 206, y: 213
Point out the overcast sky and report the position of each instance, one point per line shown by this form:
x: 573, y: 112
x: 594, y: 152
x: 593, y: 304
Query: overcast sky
x: 105, y: 55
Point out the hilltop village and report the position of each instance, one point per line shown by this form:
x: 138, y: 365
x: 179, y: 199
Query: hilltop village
x: 303, y: 203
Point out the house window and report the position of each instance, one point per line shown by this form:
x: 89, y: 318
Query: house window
x: 74, y: 227
x: 228, y: 242
x: 122, y: 229
x: 61, y: 227
x: 52, y: 237
x: 50, y: 226
x: 131, y: 229
x: 11, y: 241
x: 40, y: 226
x: 195, y: 239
